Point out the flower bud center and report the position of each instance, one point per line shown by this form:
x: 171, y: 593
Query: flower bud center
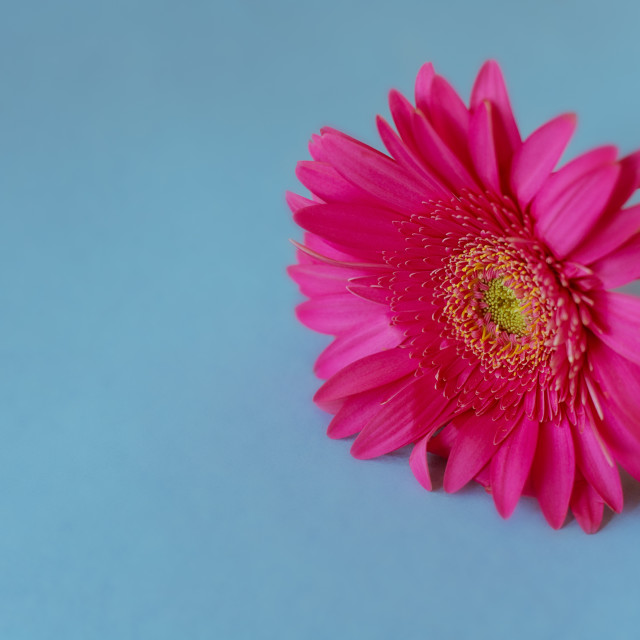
x: 505, y: 308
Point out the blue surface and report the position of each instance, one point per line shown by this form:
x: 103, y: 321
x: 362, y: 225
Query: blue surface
x: 163, y: 472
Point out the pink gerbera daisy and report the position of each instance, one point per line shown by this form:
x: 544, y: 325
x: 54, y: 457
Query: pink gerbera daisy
x: 468, y: 285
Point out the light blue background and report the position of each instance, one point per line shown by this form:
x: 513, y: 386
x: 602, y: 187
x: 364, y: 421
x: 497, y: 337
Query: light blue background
x: 163, y: 472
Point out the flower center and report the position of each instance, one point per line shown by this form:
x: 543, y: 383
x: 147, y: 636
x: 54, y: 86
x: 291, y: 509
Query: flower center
x: 493, y: 305
x: 483, y: 303
x: 505, y: 308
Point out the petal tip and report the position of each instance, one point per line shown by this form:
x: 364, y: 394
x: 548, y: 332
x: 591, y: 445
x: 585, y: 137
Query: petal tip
x: 361, y: 451
x: 490, y: 65
x: 504, y: 509
x: 555, y: 522
x: 451, y: 483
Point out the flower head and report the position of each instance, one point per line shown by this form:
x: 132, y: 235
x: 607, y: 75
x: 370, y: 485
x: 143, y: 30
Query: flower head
x: 468, y: 287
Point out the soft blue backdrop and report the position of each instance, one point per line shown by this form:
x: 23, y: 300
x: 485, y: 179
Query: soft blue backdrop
x: 163, y: 473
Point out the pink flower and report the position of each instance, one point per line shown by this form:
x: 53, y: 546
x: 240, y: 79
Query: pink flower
x: 468, y: 287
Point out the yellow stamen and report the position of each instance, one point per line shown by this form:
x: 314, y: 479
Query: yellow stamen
x: 504, y: 307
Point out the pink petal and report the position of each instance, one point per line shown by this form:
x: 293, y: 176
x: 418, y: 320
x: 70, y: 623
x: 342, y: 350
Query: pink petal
x: 610, y: 232
x: 323, y: 248
x: 624, y: 445
x: 410, y: 414
x: 366, y: 280
x: 483, y: 477
x: 440, y: 157
x: 364, y: 229
x: 373, y: 293
x: 357, y: 410
x: 538, y: 155
x: 315, y: 148
x: 511, y: 464
x: 489, y: 85
x: 418, y: 463
x: 619, y: 380
x: 591, y: 460
x: 362, y: 341
x: 297, y: 202
x: 317, y: 144
x: 336, y: 313
x: 629, y: 180
x: 402, y: 112
x: 306, y: 255
x: 424, y: 82
x: 575, y: 211
x: 376, y: 173
x: 621, y: 266
x: 482, y: 145
x: 472, y: 449
x: 617, y: 321
x: 562, y: 180
x: 373, y: 371
x: 433, y: 186
x: 354, y: 414
x: 442, y: 443
x: 320, y: 279
x: 326, y: 183
x: 553, y: 471
x: 450, y: 117
x: 587, y: 505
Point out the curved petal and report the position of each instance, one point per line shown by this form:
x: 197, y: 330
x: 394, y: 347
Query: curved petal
x: 538, y: 155
x: 405, y: 418
x: 361, y: 341
x: 510, y: 466
x: 621, y: 266
x: 372, y: 371
x: 619, y: 380
x: 483, y: 146
x: 418, y: 462
x: 559, y: 182
x: 587, y: 505
x: 490, y: 85
x: 371, y: 292
x: 424, y: 82
x: 629, y: 180
x: 623, y: 443
x: 326, y: 183
x: 336, y: 313
x: 442, y: 443
x: 472, y: 449
x: 296, y: 202
x: 450, y: 117
x: 611, y: 232
x: 434, y: 188
x: 324, y: 250
x: 440, y: 157
x: 617, y: 320
x: 575, y: 211
x: 614, y: 226
x: 602, y: 476
x: 366, y: 230
x: 402, y: 112
x: 377, y: 174
x: 553, y: 471
x: 357, y: 410
x: 321, y: 279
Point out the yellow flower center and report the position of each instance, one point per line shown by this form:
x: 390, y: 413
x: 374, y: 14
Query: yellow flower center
x: 494, y: 305
x: 505, y: 308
